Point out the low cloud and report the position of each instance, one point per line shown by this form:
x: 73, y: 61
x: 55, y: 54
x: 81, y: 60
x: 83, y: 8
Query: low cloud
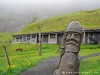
x: 18, y: 13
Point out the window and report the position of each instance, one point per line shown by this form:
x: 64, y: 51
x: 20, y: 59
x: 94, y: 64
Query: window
x: 52, y: 38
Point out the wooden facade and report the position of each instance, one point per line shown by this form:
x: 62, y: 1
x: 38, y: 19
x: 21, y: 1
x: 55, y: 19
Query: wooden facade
x: 90, y: 36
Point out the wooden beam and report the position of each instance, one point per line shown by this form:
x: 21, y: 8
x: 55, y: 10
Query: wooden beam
x: 6, y: 54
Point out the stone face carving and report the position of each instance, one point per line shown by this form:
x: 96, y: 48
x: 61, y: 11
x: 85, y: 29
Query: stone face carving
x: 69, y: 63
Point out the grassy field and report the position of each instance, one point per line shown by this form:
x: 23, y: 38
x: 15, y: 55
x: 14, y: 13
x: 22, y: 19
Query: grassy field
x: 27, y: 58
x: 90, y: 66
x: 22, y: 60
x: 88, y: 20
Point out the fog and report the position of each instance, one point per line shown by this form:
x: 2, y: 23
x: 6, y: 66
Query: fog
x: 15, y: 14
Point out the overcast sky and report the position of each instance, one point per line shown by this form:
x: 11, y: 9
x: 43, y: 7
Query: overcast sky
x: 22, y: 10
x: 44, y: 8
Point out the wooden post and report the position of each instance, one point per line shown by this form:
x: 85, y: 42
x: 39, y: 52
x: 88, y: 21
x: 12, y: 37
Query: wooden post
x: 88, y: 39
x: 22, y: 39
x: 84, y: 35
x: 56, y: 38
x: 48, y: 38
x: 6, y: 55
x: 35, y: 38
x: 40, y: 41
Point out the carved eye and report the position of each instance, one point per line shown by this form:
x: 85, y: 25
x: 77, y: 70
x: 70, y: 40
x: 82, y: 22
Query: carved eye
x: 76, y: 35
x: 68, y: 35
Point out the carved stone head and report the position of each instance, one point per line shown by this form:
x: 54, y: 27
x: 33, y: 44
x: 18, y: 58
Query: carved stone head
x: 73, y: 37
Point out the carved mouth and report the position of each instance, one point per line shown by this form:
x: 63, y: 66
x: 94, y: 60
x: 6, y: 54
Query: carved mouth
x: 72, y: 42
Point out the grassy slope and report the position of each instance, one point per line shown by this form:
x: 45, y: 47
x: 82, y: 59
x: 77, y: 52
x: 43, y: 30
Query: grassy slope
x: 88, y: 19
x: 5, y: 36
x: 29, y: 57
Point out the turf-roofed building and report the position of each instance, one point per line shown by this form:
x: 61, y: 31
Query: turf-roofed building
x: 90, y: 36
x: 52, y: 29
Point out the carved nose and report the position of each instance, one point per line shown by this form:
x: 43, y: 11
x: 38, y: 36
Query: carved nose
x: 72, y: 36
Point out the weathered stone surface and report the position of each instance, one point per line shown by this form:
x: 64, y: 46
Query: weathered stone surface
x: 74, y: 26
x: 68, y: 62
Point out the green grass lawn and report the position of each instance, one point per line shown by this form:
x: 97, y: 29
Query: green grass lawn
x: 90, y: 66
x: 27, y: 58
x: 89, y: 49
x: 20, y: 61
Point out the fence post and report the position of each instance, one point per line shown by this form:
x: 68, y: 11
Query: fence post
x: 6, y: 54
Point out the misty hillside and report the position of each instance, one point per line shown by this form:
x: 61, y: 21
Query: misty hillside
x: 88, y: 20
x: 16, y: 14
x: 13, y: 22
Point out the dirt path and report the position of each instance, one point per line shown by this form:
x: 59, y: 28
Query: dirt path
x: 89, y: 56
x: 47, y: 67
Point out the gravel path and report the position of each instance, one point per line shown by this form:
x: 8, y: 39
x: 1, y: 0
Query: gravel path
x: 47, y: 67
x: 89, y: 56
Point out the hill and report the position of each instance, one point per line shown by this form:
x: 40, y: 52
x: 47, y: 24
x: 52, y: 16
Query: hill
x: 6, y: 36
x: 88, y: 20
